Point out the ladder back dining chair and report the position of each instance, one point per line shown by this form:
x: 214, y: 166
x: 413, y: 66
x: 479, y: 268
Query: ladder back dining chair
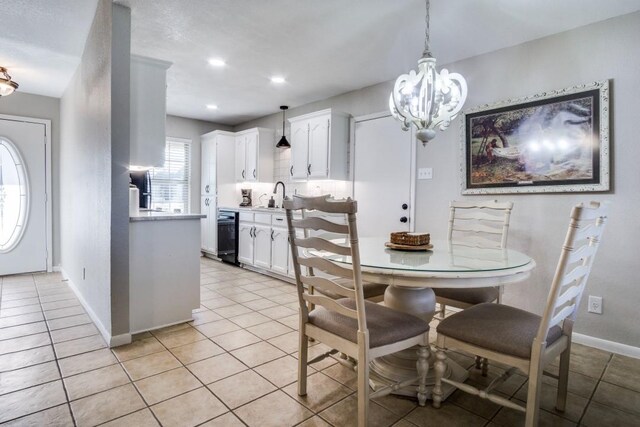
x: 482, y: 224
x: 360, y: 329
x: 523, y: 340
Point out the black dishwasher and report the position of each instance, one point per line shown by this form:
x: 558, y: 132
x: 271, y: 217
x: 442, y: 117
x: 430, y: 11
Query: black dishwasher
x: 228, y: 236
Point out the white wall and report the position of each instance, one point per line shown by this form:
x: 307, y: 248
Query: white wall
x: 181, y: 127
x: 42, y: 107
x: 605, y: 50
x: 94, y: 146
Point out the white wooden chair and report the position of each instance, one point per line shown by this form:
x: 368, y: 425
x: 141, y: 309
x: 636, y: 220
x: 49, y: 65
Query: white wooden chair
x: 523, y: 340
x: 360, y: 329
x: 483, y: 224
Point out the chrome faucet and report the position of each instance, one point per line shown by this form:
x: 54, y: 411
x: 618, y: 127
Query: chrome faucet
x: 275, y: 190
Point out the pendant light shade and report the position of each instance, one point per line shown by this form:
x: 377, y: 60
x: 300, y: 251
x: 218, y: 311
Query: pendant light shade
x: 7, y: 86
x: 427, y: 100
x: 283, y: 143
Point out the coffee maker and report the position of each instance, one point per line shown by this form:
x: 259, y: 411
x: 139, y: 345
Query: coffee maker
x: 246, y: 197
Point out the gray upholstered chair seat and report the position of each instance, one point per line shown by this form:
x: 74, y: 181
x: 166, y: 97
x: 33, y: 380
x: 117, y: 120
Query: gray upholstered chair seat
x: 386, y: 326
x: 469, y: 296
x: 496, y: 327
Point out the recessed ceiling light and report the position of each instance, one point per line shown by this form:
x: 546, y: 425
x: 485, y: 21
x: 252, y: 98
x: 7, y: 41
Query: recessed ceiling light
x: 217, y: 62
x: 212, y: 107
x: 277, y: 79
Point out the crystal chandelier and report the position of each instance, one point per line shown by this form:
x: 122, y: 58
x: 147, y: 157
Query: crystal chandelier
x: 427, y: 100
x: 7, y: 86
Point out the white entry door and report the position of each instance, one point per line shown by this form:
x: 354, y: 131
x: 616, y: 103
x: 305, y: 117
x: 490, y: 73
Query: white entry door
x: 383, y: 176
x: 23, y: 203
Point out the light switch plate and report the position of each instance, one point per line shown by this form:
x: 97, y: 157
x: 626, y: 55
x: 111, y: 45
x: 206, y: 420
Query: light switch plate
x: 425, y: 173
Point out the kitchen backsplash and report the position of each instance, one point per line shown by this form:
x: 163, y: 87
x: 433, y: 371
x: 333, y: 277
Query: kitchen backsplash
x: 261, y: 192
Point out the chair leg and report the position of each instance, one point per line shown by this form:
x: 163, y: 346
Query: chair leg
x: 439, y: 369
x: 478, y: 362
x: 443, y: 308
x: 563, y: 379
x: 533, y: 394
x: 303, y: 354
x: 422, y: 365
x: 363, y: 388
x: 485, y: 366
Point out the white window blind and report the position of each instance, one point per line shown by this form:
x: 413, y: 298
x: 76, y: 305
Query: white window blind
x: 170, y: 183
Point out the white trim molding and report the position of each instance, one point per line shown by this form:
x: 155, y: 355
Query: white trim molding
x: 606, y: 345
x: 112, y: 341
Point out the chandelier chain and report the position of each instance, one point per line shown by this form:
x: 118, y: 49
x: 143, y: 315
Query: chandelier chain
x: 427, y: 40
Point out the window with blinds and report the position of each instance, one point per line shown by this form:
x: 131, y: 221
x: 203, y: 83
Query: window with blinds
x: 170, y: 183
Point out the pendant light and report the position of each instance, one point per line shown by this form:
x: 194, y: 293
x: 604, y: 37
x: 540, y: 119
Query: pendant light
x: 7, y: 86
x: 283, y: 143
x: 427, y: 100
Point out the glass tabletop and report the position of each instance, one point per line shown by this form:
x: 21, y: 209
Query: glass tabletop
x: 442, y: 258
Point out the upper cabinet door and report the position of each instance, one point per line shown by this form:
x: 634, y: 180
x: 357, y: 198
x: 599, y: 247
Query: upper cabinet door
x: 251, y: 157
x: 319, y: 147
x: 240, y: 158
x: 299, y: 150
x: 208, y: 177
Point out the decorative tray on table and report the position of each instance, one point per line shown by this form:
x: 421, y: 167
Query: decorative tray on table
x: 396, y: 246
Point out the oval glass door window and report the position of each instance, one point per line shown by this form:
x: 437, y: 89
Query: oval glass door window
x: 14, y: 196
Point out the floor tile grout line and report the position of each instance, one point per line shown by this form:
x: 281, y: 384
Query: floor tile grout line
x: 67, y: 402
x: 55, y: 355
x: 595, y: 389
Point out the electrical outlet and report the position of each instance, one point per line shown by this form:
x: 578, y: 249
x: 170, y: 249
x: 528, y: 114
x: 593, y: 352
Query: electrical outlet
x: 595, y: 304
x: 425, y: 173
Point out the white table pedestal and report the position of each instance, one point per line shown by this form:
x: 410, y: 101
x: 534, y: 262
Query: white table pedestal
x: 401, y: 366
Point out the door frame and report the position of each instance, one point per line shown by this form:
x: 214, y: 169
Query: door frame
x: 47, y: 177
x: 412, y: 173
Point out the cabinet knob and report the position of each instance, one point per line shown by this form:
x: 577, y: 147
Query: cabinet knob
x: 405, y: 206
x: 404, y: 219
x: 206, y: 188
x: 309, y: 169
x: 291, y: 171
x: 272, y: 236
x: 243, y: 174
x: 254, y: 173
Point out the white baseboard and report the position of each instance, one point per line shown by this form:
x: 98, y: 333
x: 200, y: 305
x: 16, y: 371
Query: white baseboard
x: 112, y: 341
x: 57, y: 269
x: 606, y: 345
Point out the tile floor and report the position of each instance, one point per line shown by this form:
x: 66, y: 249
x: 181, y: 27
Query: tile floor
x: 235, y: 365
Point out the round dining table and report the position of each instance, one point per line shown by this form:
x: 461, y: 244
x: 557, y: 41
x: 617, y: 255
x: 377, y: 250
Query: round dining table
x: 412, y: 275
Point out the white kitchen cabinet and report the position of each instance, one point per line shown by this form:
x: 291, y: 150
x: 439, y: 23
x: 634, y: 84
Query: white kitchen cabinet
x: 209, y: 226
x: 254, y: 155
x: 264, y: 241
x: 280, y: 250
x: 319, y: 144
x: 262, y: 246
x: 217, y: 151
x: 245, y: 243
x: 148, y: 111
x: 299, y: 150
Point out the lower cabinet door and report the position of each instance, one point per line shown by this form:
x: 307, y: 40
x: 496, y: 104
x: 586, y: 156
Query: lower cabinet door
x: 245, y: 243
x: 262, y: 249
x: 279, y: 250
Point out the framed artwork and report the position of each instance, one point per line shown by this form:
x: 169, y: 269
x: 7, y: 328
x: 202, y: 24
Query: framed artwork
x: 555, y: 141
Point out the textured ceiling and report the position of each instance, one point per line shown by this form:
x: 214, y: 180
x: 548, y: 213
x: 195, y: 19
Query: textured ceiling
x: 323, y: 48
x: 41, y: 41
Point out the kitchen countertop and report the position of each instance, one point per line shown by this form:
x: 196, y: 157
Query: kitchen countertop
x: 253, y: 209
x: 163, y: 216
